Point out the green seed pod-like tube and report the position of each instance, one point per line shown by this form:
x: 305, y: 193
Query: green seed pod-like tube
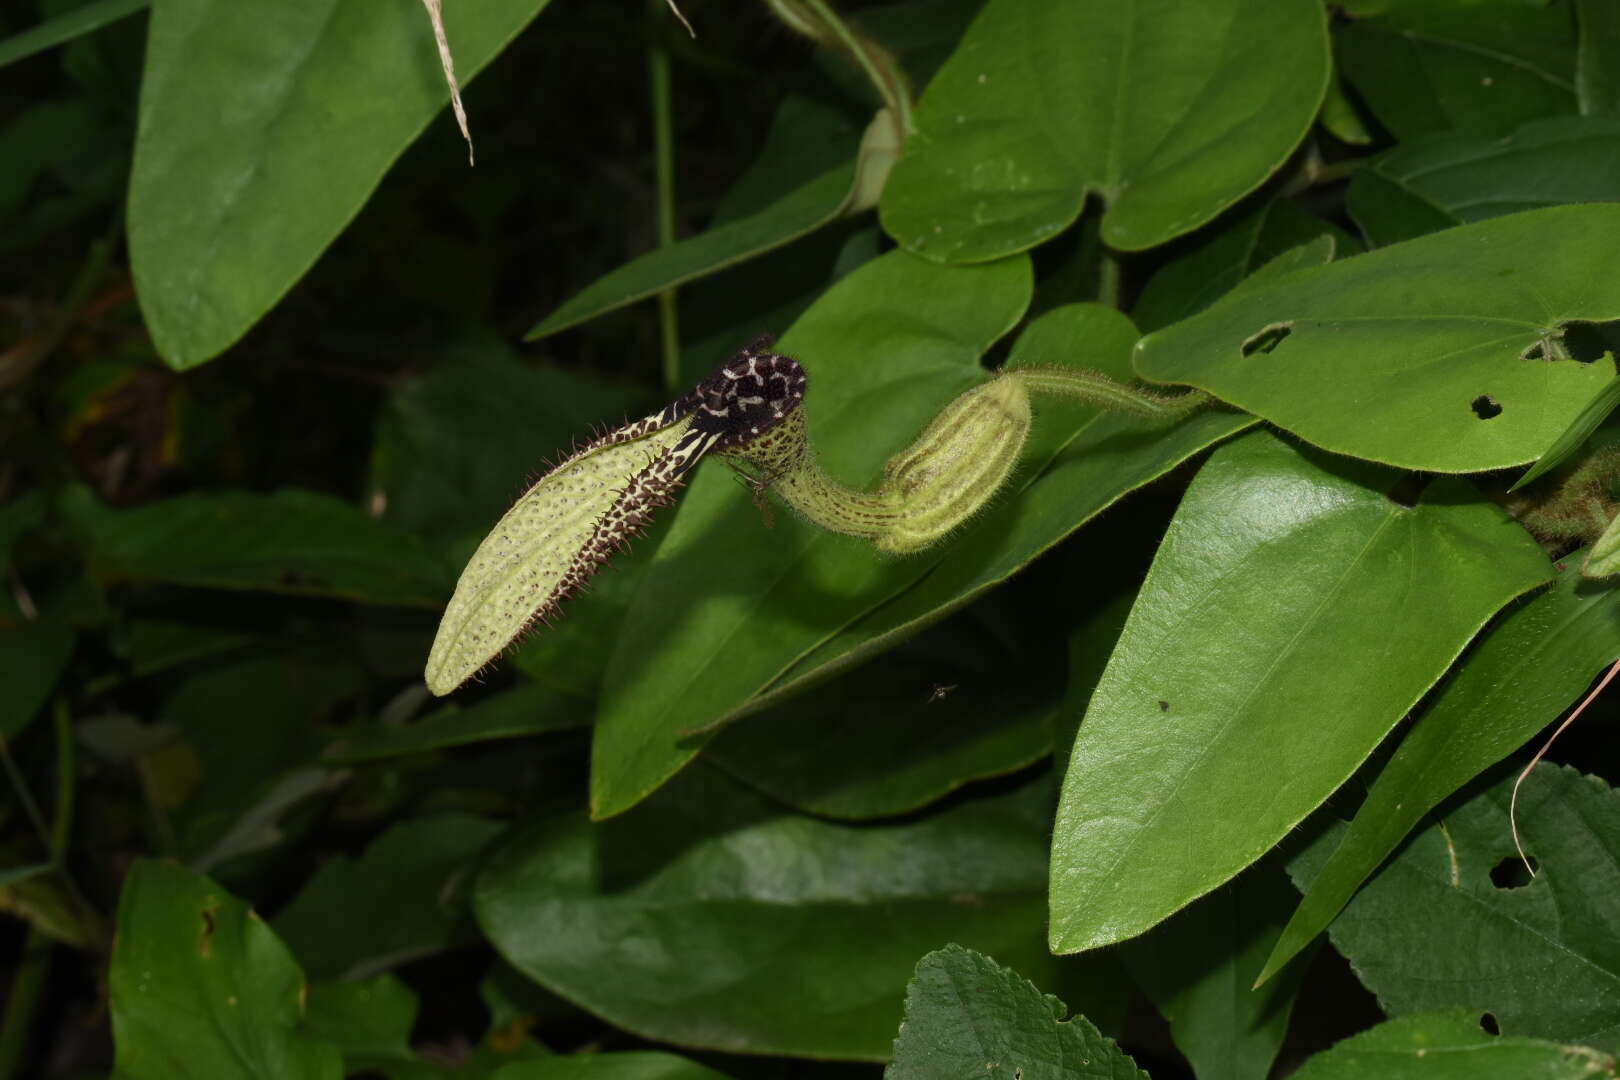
x: 957, y: 464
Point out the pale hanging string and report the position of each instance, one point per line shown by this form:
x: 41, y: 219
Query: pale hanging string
x: 681, y: 17
x: 1513, y: 803
x: 435, y: 12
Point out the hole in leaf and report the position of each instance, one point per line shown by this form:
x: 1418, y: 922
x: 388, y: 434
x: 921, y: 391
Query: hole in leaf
x: 1511, y: 873
x: 1268, y: 339
x: 1488, y: 1024
x: 1538, y: 351
x: 1485, y: 407
x: 1586, y: 342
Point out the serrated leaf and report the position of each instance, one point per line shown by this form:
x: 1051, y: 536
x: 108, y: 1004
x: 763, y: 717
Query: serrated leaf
x: 1434, y: 930
x: 1285, y: 580
x: 1449, y: 340
x: 711, y: 917
x: 968, y: 1017
x: 201, y: 989
x: 1452, y: 1046
x: 228, y: 207
x: 1523, y: 672
x: 1170, y: 114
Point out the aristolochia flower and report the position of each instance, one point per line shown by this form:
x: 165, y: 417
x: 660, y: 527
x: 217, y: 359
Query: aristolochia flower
x: 564, y: 527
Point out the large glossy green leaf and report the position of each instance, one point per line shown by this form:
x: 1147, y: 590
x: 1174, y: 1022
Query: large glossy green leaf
x: 1479, y: 67
x: 711, y: 917
x: 1270, y: 650
x: 396, y: 902
x: 1526, y: 670
x: 1199, y: 967
x: 1445, y: 340
x: 728, y: 602
x: 1451, y: 1046
x: 1170, y: 113
x: 967, y: 1016
x: 201, y: 989
x: 1597, y: 58
x: 260, y: 138
x: 290, y: 542
x: 1452, y: 178
x: 32, y: 656
x: 1078, y: 462
x: 1435, y: 929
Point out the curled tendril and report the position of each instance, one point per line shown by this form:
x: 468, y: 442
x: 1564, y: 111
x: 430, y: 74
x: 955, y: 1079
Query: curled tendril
x: 747, y: 411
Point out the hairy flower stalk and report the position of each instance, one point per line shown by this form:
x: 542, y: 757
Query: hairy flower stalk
x: 564, y: 527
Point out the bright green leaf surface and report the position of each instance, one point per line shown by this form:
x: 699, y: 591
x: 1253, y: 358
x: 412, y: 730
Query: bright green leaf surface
x: 1199, y: 967
x: 968, y: 1017
x: 1078, y: 463
x: 711, y: 917
x: 1479, y: 67
x: 1597, y: 58
x: 1453, y: 178
x: 1524, y: 672
x: 32, y: 656
x: 728, y: 603
x: 202, y: 990
x: 1452, y: 1046
x: 358, y: 916
x: 635, y: 1065
x: 290, y: 541
x: 520, y: 712
x: 1438, y: 338
x: 1280, y: 585
x: 228, y: 207
x: 1170, y: 113
x: 1574, y: 437
x: 1191, y: 283
x: 955, y: 705
x: 1433, y: 930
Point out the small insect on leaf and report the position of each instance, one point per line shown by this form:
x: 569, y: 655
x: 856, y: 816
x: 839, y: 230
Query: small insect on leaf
x: 564, y: 527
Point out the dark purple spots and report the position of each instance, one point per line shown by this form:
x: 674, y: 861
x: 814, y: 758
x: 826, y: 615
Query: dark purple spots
x: 746, y: 396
